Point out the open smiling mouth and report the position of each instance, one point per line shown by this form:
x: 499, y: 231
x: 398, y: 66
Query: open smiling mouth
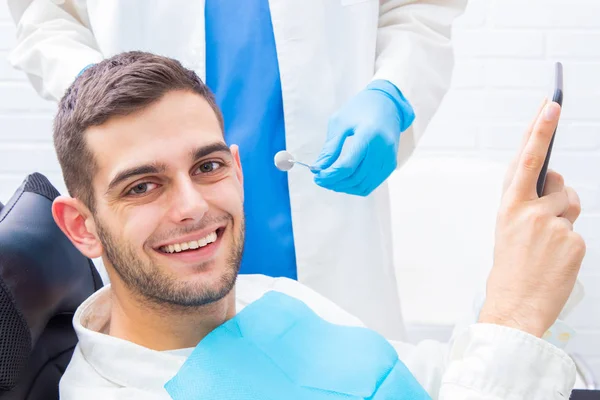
x: 193, y: 245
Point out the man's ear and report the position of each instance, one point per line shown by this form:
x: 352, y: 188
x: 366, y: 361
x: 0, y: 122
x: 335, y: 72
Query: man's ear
x: 76, y: 222
x: 235, y: 152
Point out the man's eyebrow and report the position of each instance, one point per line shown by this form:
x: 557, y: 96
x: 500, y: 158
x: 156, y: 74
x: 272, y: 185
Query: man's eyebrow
x: 157, y: 168
x: 134, y: 171
x: 204, y: 151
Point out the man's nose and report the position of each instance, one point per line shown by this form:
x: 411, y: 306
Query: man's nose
x: 188, y: 202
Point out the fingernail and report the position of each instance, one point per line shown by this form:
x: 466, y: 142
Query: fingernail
x: 551, y: 111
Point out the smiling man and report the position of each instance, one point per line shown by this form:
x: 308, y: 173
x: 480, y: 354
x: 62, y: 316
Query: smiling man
x: 157, y: 193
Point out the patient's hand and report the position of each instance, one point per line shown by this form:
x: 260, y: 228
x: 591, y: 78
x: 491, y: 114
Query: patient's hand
x: 537, y: 255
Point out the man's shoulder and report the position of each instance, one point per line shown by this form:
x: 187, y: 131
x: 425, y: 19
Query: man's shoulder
x: 250, y: 288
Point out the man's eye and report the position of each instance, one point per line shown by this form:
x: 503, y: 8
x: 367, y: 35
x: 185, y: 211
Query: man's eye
x: 208, y: 167
x: 141, y: 188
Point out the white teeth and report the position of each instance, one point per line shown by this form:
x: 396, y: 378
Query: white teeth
x: 211, y: 238
x: 194, y: 244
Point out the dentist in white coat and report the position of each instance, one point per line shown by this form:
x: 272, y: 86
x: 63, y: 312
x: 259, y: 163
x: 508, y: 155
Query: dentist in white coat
x: 301, y: 75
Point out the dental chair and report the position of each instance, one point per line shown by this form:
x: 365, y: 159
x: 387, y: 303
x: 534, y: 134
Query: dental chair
x: 43, y: 279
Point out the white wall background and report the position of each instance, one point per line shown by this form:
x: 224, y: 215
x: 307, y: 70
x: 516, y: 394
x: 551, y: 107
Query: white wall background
x: 505, y: 50
x: 504, y: 55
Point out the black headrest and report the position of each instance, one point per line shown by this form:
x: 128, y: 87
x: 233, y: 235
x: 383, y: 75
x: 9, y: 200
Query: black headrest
x: 43, y: 279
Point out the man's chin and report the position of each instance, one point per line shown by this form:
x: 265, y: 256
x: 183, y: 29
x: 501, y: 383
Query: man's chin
x: 200, y: 289
x: 196, y: 284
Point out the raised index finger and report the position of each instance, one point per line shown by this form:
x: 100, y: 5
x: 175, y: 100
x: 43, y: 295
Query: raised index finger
x: 534, y: 153
x: 510, y: 173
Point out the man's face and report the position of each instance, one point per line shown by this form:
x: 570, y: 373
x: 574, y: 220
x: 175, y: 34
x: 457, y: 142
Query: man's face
x: 169, y: 201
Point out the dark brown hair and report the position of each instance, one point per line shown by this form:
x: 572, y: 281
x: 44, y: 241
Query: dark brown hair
x: 120, y: 85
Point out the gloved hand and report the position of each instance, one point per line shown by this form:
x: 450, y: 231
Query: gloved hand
x: 374, y: 119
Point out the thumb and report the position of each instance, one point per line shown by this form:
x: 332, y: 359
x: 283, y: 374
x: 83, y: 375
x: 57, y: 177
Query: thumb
x: 331, y: 150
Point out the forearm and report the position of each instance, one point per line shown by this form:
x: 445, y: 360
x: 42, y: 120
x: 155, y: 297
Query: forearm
x: 52, y: 46
x: 490, y: 362
x: 496, y: 362
x: 414, y: 52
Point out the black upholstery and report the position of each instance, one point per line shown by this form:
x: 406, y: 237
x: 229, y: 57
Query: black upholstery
x: 585, y: 395
x: 43, y: 279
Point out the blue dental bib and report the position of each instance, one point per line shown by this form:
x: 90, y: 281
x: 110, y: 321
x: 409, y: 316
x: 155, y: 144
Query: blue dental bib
x: 278, y: 348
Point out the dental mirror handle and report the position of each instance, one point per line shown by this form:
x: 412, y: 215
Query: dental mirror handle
x: 313, y: 169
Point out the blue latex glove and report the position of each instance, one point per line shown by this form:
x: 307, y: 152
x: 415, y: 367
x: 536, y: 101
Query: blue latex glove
x: 374, y: 119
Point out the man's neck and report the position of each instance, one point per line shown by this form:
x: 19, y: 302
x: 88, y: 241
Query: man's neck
x: 166, y: 328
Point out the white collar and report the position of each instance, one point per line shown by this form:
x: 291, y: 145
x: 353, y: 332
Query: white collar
x: 122, y: 362
x: 130, y: 365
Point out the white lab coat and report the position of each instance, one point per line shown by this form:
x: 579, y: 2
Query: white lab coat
x: 328, y: 50
x: 486, y: 362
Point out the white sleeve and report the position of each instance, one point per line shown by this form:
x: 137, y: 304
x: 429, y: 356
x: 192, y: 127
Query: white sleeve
x: 53, y: 45
x: 490, y: 362
x: 481, y: 361
x: 414, y: 52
